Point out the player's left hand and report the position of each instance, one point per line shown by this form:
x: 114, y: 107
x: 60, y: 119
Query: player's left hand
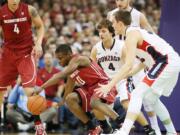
x: 61, y: 103
x: 37, y: 51
x: 102, y: 90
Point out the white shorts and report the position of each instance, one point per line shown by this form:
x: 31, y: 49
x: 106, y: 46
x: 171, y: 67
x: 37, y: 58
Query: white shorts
x: 162, y: 79
x: 124, y: 89
x: 138, y: 77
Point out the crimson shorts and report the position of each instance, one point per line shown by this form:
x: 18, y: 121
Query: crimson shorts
x: 87, y: 93
x: 14, y: 63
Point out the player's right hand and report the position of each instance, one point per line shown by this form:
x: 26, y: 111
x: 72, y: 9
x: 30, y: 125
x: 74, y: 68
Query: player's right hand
x: 37, y: 51
x: 38, y: 90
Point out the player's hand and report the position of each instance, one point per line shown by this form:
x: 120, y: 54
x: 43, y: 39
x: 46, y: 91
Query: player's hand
x: 38, y: 90
x: 37, y: 51
x: 61, y: 103
x: 55, y: 105
x: 102, y: 90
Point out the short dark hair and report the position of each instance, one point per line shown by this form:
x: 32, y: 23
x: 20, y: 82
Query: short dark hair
x: 106, y: 24
x: 64, y: 48
x: 124, y: 16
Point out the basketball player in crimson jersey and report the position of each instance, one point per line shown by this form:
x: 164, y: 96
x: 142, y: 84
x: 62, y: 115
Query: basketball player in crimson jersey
x: 85, y: 73
x: 19, y: 50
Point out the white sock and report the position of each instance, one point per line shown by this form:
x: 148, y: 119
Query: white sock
x: 154, y: 124
x: 163, y: 114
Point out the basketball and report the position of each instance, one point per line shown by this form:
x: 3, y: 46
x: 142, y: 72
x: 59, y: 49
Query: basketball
x: 36, y: 104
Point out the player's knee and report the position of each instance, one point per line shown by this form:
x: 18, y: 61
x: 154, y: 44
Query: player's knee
x: 125, y: 104
x: 71, y: 98
x: 148, y: 107
x: 151, y: 99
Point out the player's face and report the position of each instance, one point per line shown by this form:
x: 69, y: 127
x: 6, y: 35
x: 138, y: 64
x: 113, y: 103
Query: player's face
x: 122, y: 4
x: 48, y: 59
x: 13, y: 3
x: 116, y: 26
x: 104, y: 34
x: 63, y: 59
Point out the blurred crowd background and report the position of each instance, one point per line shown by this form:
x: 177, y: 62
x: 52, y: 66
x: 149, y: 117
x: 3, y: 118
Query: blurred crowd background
x: 72, y: 22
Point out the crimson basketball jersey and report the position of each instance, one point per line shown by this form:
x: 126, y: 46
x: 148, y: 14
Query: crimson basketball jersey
x: 16, y: 27
x: 90, y: 75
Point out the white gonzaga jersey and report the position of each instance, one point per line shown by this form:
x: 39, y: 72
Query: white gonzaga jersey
x: 110, y: 59
x: 154, y: 49
x: 135, y: 15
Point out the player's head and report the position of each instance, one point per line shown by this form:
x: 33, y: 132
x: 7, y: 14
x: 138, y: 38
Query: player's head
x: 13, y: 3
x: 105, y: 29
x: 122, y: 4
x: 48, y: 59
x: 64, y: 54
x: 121, y: 19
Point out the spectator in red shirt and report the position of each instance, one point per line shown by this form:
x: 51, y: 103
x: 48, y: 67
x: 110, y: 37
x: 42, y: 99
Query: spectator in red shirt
x: 47, y: 72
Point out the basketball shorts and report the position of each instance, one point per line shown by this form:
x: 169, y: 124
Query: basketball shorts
x: 87, y: 94
x: 162, y: 77
x: 12, y: 64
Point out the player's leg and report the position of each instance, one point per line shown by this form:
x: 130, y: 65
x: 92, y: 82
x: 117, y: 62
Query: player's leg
x: 148, y: 108
x: 78, y: 104
x: 134, y: 108
x: 140, y: 119
x: 8, y: 72
x: 74, y: 104
x: 103, y: 105
x: 152, y: 116
x: 28, y: 76
x: 103, y: 122
x: 161, y: 112
x: 125, y: 88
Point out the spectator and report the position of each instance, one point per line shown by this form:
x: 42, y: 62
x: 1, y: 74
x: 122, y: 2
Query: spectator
x: 17, y: 111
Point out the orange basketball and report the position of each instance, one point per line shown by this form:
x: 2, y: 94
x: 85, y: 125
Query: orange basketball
x: 36, y: 104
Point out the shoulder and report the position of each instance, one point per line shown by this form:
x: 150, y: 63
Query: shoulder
x: 32, y: 11
x: 113, y: 11
x: 98, y: 44
x: 136, y: 11
x: 3, y: 8
x: 118, y: 41
x: 133, y: 28
x: 110, y: 13
x: 133, y: 33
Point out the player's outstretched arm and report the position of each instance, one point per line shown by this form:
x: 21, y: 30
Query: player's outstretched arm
x: 136, y: 68
x: 70, y: 84
x: 72, y: 66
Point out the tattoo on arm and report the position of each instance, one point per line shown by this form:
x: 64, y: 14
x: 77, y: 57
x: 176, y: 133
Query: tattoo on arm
x: 34, y: 12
